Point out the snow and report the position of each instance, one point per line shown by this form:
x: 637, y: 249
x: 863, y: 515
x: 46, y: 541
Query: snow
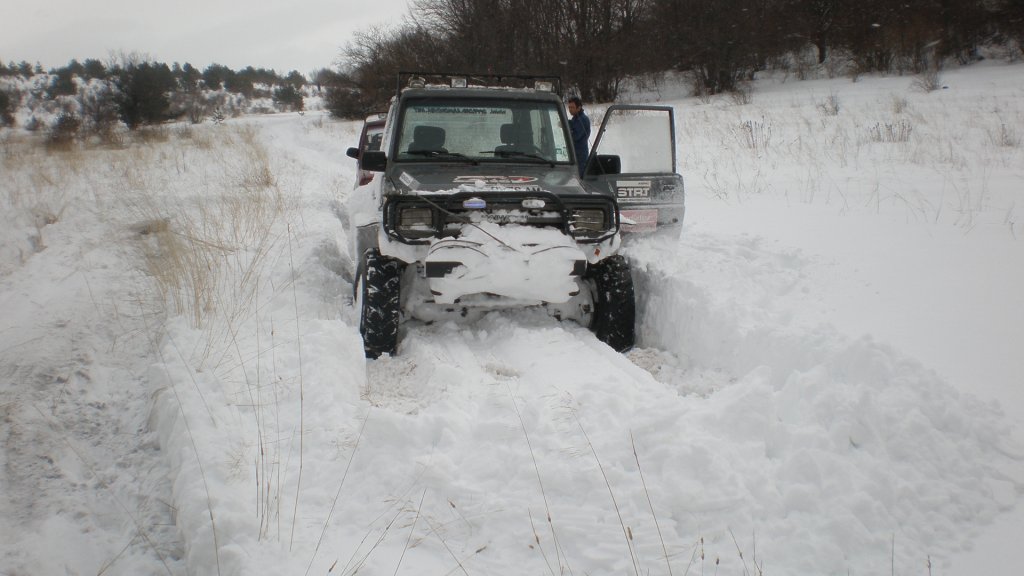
x: 827, y: 379
x: 526, y: 263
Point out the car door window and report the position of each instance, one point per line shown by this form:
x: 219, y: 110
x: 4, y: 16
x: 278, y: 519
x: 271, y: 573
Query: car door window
x: 642, y: 139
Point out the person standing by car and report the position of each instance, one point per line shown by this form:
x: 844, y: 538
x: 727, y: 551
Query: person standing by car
x: 579, y: 125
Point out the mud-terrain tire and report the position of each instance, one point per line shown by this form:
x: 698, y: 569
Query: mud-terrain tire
x: 614, y: 320
x: 378, y: 291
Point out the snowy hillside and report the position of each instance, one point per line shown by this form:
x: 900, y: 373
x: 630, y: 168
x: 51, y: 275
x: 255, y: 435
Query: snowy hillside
x: 828, y: 378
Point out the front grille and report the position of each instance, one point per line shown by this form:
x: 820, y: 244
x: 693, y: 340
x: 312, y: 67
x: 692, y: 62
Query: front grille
x: 415, y: 219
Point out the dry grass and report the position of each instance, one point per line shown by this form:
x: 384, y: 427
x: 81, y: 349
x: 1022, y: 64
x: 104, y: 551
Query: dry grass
x: 39, y: 184
x: 756, y: 135
x: 206, y: 251
x: 204, y: 206
x: 928, y: 80
x: 830, y: 106
x: 890, y: 132
x: 1005, y: 136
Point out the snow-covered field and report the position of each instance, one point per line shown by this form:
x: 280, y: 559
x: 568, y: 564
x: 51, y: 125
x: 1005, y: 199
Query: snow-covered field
x: 829, y: 378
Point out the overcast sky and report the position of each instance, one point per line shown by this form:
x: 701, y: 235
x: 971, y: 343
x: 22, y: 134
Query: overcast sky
x: 285, y: 35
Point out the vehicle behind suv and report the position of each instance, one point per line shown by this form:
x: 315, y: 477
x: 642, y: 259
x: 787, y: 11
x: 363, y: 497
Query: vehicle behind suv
x: 369, y: 140
x: 480, y: 206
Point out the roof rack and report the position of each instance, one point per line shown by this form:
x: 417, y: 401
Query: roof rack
x: 549, y: 83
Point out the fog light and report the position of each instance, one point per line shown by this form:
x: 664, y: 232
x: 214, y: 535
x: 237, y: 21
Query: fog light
x: 416, y: 222
x: 588, y: 221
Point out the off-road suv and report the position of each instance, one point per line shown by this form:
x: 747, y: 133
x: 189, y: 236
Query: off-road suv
x: 481, y: 206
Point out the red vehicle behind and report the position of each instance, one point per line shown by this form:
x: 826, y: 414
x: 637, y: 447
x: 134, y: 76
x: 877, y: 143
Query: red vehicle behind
x: 369, y: 140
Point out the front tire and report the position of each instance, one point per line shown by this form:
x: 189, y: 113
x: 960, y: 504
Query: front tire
x: 378, y: 292
x: 614, y: 303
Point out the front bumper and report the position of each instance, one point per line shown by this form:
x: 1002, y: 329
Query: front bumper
x: 517, y: 262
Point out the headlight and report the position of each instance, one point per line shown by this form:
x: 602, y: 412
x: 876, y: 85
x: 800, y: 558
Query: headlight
x: 589, y: 222
x: 416, y: 222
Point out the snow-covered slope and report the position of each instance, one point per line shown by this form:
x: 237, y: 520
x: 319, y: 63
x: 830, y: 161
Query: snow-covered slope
x: 828, y: 378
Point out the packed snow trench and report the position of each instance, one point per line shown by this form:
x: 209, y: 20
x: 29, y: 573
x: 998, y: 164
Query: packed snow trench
x: 223, y: 420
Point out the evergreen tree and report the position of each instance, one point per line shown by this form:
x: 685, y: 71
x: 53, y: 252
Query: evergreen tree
x: 6, y: 109
x: 93, y: 68
x: 289, y: 98
x: 143, y: 93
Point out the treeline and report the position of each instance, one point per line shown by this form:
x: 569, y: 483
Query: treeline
x: 94, y: 96
x: 594, y: 45
x: 182, y: 77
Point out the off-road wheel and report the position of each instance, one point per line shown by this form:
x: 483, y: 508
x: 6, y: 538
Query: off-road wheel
x: 614, y: 320
x: 378, y: 287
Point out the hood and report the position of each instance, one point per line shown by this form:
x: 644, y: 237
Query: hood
x: 426, y: 178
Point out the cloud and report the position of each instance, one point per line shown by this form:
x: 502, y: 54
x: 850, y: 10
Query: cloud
x: 278, y: 34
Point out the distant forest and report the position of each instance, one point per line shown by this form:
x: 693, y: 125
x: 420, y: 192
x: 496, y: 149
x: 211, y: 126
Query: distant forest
x: 594, y: 45
x: 94, y: 96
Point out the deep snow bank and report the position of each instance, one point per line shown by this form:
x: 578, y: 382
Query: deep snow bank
x: 839, y: 445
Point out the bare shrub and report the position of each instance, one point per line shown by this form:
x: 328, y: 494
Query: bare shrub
x: 1005, y: 136
x: 756, y: 135
x: 191, y: 105
x: 255, y: 171
x: 839, y: 63
x: 742, y: 94
x: 700, y: 89
x: 200, y: 139
x: 99, y: 108
x: 891, y: 132
x: 928, y: 80
x: 805, y: 66
x: 899, y: 104
x: 151, y: 135
x: 64, y: 130
x: 830, y: 106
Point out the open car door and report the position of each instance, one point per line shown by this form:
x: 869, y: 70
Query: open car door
x: 634, y: 160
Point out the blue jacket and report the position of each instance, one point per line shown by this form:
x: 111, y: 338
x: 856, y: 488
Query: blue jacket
x: 579, y: 126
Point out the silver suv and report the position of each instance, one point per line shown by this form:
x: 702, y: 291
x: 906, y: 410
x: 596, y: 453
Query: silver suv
x: 481, y: 206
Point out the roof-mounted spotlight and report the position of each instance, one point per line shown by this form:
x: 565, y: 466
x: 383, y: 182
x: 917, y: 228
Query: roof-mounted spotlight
x: 417, y: 82
x: 544, y: 86
x: 459, y: 82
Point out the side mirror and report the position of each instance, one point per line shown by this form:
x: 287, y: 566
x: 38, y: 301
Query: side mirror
x: 353, y: 153
x: 604, y: 164
x: 374, y: 161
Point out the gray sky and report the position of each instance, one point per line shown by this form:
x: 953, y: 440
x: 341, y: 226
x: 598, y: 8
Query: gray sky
x: 285, y: 35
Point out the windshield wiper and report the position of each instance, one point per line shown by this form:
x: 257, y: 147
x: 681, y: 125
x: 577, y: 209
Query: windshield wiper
x: 443, y: 154
x: 520, y: 154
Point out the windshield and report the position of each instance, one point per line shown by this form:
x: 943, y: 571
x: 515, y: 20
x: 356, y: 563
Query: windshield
x: 482, y: 130
x: 374, y: 136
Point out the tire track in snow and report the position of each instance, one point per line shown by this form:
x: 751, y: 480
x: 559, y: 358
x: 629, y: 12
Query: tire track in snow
x: 456, y: 385
x: 80, y: 465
